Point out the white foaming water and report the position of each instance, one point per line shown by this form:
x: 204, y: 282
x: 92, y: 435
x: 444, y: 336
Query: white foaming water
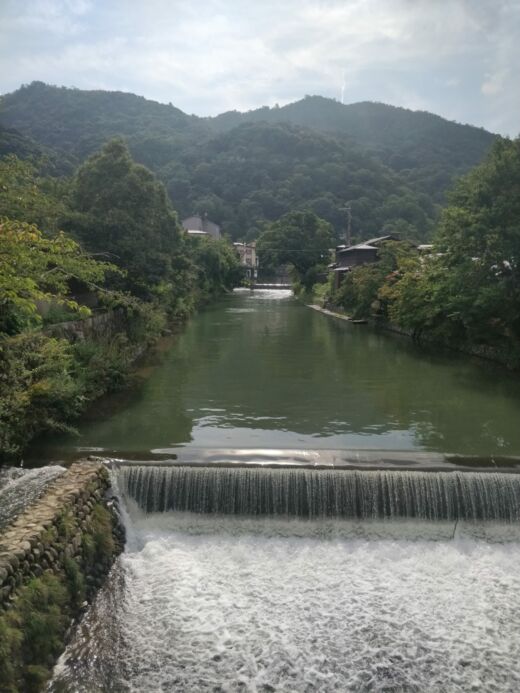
x: 232, y: 604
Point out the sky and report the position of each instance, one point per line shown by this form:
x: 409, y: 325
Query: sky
x: 457, y: 58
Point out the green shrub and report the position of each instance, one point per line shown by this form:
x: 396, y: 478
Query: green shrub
x: 38, y: 391
x: 75, y: 582
x: 32, y: 633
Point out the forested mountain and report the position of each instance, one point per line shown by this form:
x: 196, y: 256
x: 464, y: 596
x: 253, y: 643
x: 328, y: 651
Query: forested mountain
x: 78, y: 122
x: 428, y: 149
x: 391, y: 165
x: 13, y: 142
x: 422, y: 136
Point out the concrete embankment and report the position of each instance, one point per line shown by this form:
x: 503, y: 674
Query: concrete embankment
x: 53, y: 558
x: 330, y: 313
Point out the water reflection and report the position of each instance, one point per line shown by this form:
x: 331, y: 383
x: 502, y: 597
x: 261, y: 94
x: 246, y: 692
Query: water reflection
x: 261, y: 370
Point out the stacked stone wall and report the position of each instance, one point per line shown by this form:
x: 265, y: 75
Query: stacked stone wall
x: 52, y: 530
x: 53, y: 559
x: 98, y: 327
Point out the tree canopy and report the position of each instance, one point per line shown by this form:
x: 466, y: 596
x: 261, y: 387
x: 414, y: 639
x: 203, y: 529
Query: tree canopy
x: 299, y: 239
x: 34, y: 268
x: 466, y: 291
x: 476, y: 275
x: 122, y: 212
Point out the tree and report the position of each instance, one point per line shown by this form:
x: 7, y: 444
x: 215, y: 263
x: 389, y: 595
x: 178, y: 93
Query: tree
x: 123, y: 212
x: 34, y: 268
x: 27, y: 196
x: 300, y: 239
x: 217, y: 264
x: 479, y: 238
x: 469, y: 290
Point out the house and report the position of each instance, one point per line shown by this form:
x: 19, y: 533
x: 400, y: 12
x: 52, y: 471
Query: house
x: 348, y: 257
x: 248, y: 258
x: 201, y: 226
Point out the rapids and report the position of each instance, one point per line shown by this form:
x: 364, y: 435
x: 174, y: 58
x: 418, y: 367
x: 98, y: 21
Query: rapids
x: 214, y: 603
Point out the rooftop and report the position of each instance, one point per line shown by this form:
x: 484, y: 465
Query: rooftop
x: 371, y: 244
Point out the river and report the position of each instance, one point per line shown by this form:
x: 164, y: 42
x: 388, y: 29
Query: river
x: 401, y: 596
x: 261, y: 371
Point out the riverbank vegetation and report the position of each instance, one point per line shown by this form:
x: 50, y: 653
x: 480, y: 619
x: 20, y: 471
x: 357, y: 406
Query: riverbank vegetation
x: 463, y: 292
x: 104, y: 242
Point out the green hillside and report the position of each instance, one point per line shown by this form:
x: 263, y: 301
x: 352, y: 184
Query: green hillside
x: 411, y: 142
x: 391, y: 165
x: 259, y: 171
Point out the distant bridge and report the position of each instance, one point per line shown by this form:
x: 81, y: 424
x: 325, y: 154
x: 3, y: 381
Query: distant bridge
x: 271, y: 286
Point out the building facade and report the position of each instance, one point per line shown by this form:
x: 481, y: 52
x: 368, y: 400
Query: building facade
x: 348, y: 257
x: 248, y: 258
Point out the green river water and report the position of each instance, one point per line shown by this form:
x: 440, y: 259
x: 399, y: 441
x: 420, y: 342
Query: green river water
x: 261, y: 371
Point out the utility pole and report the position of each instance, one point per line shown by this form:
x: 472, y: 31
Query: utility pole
x: 348, y: 235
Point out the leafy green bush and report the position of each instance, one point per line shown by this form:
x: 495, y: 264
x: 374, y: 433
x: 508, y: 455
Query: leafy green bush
x: 37, y: 389
x: 32, y: 633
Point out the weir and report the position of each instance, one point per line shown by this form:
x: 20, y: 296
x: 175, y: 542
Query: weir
x: 311, y: 493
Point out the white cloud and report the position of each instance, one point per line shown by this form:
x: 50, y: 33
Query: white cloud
x: 214, y: 55
x: 494, y: 84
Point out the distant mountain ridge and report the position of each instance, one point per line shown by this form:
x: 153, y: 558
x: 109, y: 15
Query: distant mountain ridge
x: 371, y: 124
x: 393, y: 166
x: 398, y: 137
x: 374, y: 123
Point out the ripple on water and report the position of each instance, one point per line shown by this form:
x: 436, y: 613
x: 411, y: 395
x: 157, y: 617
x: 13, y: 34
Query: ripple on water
x: 190, y: 610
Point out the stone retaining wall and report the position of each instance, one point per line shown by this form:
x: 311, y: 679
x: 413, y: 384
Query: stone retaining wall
x: 505, y: 356
x: 51, y: 529
x: 53, y: 559
x: 97, y: 327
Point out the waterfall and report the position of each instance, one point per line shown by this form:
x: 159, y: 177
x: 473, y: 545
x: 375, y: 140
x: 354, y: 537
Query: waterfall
x: 314, y: 493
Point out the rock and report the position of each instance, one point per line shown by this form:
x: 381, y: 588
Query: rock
x: 25, y: 546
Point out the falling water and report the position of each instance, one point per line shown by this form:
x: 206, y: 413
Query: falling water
x: 19, y: 487
x: 251, y: 579
x: 313, y: 493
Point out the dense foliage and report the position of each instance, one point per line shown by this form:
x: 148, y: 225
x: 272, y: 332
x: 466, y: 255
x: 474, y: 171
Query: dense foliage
x: 35, y: 269
x: 122, y: 213
x: 113, y: 208
x: 391, y: 165
x: 466, y: 292
x: 301, y: 240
